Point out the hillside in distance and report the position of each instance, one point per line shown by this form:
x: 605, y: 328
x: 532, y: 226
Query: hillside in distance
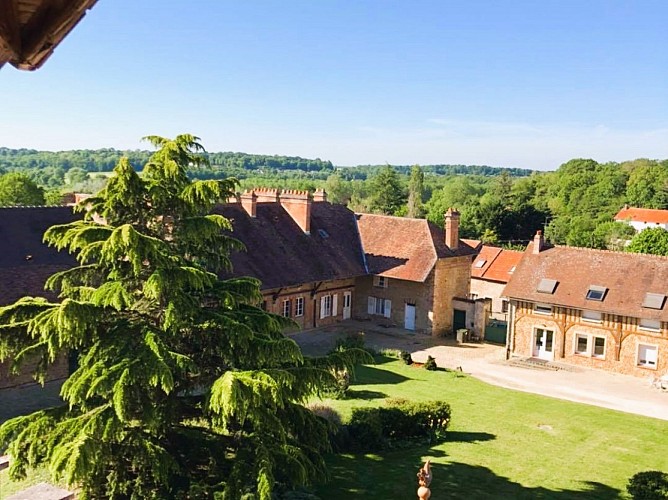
x: 104, y: 160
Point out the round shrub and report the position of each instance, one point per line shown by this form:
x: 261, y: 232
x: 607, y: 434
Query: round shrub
x: 648, y: 485
x: 430, y: 364
x: 406, y: 357
x: 366, y: 429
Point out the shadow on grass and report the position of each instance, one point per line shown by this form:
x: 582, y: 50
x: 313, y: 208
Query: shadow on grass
x: 468, y: 437
x: 393, y: 475
x: 370, y: 375
x: 362, y: 394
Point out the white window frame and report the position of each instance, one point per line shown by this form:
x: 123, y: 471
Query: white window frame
x: 590, y: 350
x: 379, y: 306
x: 287, y: 308
x: 579, y: 336
x: 545, y: 309
x: 644, y: 363
x: 505, y: 305
x: 593, y: 346
x: 650, y: 325
x: 335, y: 304
x: 299, y: 307
x: 380, y: 281
x: 325, y: 306
x: 592, y: 316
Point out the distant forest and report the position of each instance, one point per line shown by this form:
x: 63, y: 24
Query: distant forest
x: 573, y: 205
x: 222, y: 164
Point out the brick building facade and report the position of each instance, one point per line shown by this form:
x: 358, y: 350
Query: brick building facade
x: 593, y: 308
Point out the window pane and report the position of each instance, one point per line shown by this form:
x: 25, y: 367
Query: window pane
x: 581, y: 347
x: 599, y: 346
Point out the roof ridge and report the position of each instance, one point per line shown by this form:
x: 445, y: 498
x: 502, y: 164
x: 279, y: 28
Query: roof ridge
x: 604, y: 250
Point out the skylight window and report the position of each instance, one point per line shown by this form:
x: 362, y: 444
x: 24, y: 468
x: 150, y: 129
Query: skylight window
x: 480, y: 263
x: 596, y: 292
x: 654, y: 300
x: 512, y: 270
x: 323, y: 234
x: 546, y: 286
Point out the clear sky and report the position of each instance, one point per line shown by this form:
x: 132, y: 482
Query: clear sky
x: 504, y: 83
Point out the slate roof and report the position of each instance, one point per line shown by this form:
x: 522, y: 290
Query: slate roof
x: 25, y: 261
x: 498, y: 263
x: 404, y: 248
x: 628, y: 277
x: 642, y: 215
x: 280, y: 254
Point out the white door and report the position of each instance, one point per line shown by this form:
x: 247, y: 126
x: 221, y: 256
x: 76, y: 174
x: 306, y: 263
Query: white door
x: 347, y: 300
x: 543, y: 344
x: 409, y: 317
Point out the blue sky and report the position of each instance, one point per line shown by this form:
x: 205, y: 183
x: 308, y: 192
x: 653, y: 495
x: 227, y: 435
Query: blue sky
x: 514, y: 83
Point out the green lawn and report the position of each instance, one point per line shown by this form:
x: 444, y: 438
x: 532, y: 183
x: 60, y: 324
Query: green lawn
x: 501, y: 443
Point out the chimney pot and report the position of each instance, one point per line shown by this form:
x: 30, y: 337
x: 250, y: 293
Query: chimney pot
x: 298, y: 205
x: 538, y: 242
x: 320, y: 195
x: 249, y: 203
x: 452, y: 228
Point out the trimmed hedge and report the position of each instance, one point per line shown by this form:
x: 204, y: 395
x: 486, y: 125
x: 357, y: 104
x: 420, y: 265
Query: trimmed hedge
x: 372, y: 429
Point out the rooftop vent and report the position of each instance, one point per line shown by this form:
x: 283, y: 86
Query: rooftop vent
x: 654, y: 300
x: 323, y: 234
x: 596, y: 292
x: 546, y: 286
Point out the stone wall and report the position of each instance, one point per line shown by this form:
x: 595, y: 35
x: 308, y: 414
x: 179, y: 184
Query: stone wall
x: 567, y: 324
x: 452, y: 278
x: 400, y: 293
x: 492, y: 290
x: 312, y: 294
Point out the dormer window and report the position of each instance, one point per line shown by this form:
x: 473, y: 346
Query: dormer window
x: 654, y: 301
x: 380, y: 281
x: 596, y: 292
x: 546, y: 286
x: 480, y: 263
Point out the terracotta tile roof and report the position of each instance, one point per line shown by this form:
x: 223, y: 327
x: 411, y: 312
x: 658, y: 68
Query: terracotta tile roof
x: 495, y: 264
x: 25, y: 261
x: 628, y: 277
x: 403, y: 248
x: 483, y: 260
x: 642, y: 215
x: 280, y: 254
x: 475, y: 244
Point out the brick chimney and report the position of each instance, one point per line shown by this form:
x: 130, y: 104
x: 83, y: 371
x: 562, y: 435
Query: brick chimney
x: 538, y: 242
x: 249, y: 202
x: 298, y: 205
x: 320, y: 195
x: 266, y: 195
x: 452, y: 229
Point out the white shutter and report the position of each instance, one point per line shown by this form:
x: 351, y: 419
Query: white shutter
x: 323, y: 308
x: 335, y: 303
x: 371, y: 305
x: 388, y: 308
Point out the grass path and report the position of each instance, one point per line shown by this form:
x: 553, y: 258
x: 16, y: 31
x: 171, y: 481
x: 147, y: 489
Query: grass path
x: 501, y: 444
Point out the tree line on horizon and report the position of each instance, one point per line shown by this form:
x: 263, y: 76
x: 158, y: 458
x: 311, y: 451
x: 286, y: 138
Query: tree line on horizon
x: 573, y: 205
